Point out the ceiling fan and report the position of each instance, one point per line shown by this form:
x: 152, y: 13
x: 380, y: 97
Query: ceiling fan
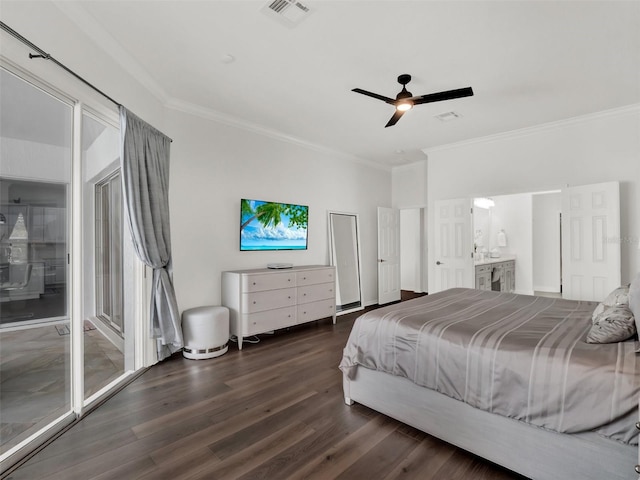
x: 405, y: 100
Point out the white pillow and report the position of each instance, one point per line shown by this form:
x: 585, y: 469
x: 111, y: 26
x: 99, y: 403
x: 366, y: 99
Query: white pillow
x: 634, y: 300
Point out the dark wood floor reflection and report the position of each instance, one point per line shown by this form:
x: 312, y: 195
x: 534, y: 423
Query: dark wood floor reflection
x: 35, y: 376
x: 274, y: 410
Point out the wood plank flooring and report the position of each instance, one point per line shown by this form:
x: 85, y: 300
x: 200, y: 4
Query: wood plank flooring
x: 271, y: 411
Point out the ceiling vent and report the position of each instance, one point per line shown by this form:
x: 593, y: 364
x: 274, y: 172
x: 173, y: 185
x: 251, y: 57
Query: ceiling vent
x: 448, y: 116
x: 288, y: 12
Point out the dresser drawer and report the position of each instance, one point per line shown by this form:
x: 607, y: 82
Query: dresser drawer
x: 261, y: 322
x: 268, y: 281
x: 311, y: 277
x: 313, y: 293
x: 268, y: 300
x: 313, y: 311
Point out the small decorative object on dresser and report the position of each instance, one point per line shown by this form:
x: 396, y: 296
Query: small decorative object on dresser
x: 263, y: 300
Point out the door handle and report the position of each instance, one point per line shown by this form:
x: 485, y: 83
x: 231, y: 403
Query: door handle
x: 380, y: 260
x: 439, y: 263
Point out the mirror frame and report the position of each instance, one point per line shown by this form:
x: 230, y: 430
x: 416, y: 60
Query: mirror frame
x: 359, y: 304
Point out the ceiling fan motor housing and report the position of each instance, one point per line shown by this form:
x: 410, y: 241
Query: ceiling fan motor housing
x: 404, y: 79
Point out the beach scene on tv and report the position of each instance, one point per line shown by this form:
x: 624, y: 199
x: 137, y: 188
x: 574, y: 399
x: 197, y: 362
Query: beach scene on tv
x: 273, y: 226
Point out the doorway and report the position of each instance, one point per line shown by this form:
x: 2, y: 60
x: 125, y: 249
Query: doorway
x: 413, y: 251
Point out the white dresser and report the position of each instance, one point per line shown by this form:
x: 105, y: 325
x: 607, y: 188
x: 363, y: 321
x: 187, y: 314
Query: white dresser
x: 263, y: 300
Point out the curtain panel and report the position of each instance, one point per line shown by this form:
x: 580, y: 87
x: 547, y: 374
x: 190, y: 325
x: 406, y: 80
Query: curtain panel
x: 145, y: 178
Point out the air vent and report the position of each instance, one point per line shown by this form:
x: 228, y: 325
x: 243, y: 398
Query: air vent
x: 448, y: 116
x: 288, y: 12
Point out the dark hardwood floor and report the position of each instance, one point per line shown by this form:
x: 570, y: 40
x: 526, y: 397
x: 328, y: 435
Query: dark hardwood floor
x: 271, y: 411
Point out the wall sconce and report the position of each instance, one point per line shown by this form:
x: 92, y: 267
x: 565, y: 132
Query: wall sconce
x: 502, y: 238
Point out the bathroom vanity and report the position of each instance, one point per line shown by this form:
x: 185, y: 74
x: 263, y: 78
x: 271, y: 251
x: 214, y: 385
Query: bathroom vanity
x: 498, y: 274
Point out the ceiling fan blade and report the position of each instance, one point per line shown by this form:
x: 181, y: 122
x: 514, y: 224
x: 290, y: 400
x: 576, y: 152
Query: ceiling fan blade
x: 393, y: 120
x: 374, y: 95
x: 446, y: 95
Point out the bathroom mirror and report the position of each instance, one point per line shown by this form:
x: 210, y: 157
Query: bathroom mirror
x: 344, y: 253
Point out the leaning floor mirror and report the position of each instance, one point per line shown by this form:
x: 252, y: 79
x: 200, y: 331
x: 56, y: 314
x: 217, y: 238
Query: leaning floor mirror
x: 344, y: 253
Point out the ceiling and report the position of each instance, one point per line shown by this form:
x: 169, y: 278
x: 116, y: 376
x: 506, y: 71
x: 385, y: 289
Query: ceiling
x: 529, y: 63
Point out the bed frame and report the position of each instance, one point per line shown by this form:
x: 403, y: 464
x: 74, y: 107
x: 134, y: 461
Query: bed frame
x: 526, y: 449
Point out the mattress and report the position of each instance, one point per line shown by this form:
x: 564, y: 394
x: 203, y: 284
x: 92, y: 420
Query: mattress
x: 518, y: 356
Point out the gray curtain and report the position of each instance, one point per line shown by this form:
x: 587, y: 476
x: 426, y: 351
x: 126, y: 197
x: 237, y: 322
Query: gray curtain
x: 145, y: 178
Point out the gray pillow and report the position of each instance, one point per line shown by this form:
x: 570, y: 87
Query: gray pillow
x: 619, y: 297
x: 634, y: 300
x: 614, y: 324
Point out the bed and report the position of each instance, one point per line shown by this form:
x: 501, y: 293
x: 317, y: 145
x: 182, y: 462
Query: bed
x: 507, y: 377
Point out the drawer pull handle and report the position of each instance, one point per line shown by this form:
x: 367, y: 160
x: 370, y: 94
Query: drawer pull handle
x: 304, y: 294
x: 254, y: 283
x: 254, y: 302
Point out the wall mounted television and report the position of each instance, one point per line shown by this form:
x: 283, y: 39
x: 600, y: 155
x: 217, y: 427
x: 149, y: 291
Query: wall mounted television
x: 272, y: 225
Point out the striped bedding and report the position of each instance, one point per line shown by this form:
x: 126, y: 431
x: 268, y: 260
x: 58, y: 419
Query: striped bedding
x: 518, y: 356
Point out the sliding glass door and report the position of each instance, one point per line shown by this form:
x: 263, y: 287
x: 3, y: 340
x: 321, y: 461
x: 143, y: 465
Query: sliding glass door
x: 35, y: 176
x: 67, y: 266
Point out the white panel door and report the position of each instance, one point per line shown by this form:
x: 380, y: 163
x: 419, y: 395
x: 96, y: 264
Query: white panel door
x: 453, y: 244
x: 388, y: 255
x: 590, y: 241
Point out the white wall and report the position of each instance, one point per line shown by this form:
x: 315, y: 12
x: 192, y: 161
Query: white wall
x: 409, y: 185
x: 214, y: 166
x: 546, y: 242
x: 591, y: 149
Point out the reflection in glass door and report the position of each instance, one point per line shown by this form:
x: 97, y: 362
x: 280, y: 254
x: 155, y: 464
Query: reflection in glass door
x: 109, y: 252
x: 104, y: 337
x: 35, y: 173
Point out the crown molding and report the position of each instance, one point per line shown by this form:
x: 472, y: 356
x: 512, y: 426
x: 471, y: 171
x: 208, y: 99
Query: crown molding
x: 229, y: 120
x: 524, y: 132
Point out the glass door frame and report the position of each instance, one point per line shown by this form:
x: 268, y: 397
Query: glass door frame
x: 143, y: 348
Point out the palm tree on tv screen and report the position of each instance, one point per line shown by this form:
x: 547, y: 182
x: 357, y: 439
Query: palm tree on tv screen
x: 270, y: 213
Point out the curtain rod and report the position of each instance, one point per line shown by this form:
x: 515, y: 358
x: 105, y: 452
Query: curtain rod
x: 46, y: 56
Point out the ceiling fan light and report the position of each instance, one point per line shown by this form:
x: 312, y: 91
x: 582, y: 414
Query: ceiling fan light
x: 404, y: 106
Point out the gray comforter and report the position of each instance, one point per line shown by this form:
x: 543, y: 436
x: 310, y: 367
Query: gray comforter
x: 518, y: 356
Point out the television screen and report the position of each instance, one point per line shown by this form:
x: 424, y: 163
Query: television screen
x: 272, y: 225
